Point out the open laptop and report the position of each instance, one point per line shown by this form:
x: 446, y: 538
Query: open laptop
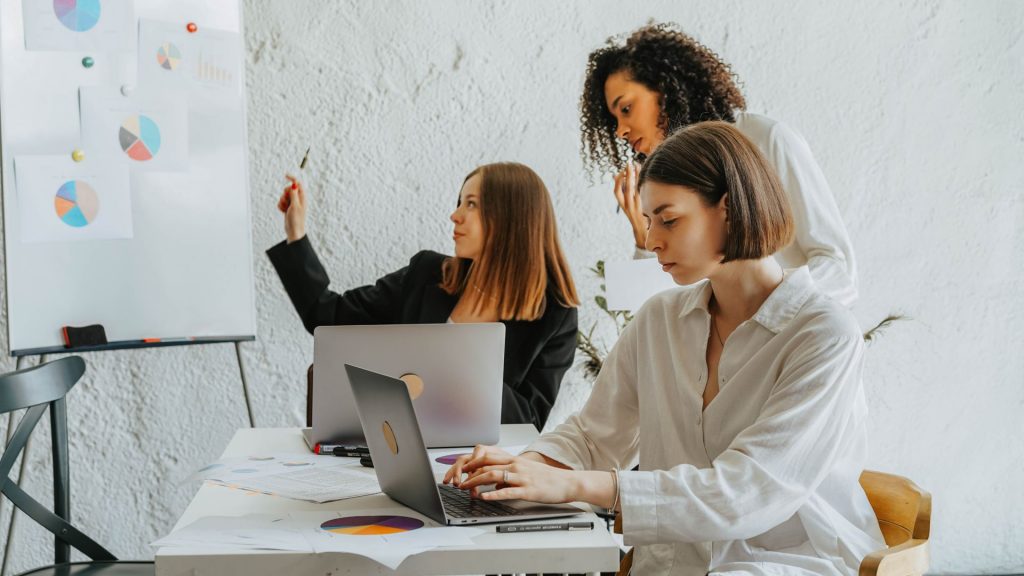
x: 403, y: 467
x: 454, y: 373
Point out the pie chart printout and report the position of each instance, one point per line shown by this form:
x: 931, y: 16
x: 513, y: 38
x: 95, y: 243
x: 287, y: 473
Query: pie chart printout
x: 168, y: 56
x: 76, y: 203
x: 371, y: 525
x: 140, y: 138
x: 77, y: 15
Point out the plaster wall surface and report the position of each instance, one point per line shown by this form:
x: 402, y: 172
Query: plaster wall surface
x: 912, y: 108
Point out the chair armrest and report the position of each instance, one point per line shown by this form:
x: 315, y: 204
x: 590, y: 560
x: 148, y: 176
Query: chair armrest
x: 618, y: 524
x: 910, y: 557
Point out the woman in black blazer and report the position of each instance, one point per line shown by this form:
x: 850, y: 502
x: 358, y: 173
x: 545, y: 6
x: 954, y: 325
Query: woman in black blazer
x: 508, y: 267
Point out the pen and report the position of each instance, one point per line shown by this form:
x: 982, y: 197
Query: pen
x: 286, y: 201
x: 510, y: 528
x: 330, y: 448
x: 351, y: 451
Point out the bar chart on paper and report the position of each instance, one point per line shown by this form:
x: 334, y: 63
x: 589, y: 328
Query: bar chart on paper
x: 209, y: 71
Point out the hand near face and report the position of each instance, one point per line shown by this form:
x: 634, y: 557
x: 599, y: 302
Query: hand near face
x: 293, y: 204
x: 627, y: 194
x: 528, y: 479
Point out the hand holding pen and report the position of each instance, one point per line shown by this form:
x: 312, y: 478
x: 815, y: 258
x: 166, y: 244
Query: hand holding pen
x: 293, y: 204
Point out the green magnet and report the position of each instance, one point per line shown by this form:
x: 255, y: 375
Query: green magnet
x: 88, y: 61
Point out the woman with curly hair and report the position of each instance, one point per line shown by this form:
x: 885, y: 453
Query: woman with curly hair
x: 638, y: 92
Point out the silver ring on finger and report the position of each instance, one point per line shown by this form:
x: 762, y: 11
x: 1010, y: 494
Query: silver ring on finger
x: 504, y: 478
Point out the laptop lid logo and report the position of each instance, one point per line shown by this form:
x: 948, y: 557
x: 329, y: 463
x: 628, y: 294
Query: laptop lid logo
x: 389, y: 437
x: 414, y: 383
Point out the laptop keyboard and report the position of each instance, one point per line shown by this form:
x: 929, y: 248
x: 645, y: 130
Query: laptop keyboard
x: 459, y: 504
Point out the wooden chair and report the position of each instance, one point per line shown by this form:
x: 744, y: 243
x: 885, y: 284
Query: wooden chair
x: 904, y: 514
x: 38, y: 389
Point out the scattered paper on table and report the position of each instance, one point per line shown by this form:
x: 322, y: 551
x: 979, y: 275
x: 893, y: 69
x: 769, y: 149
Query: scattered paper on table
x: 249, y: 532
x: 63, y: 200
x: 313, y: 484
x: 256, y: 465
x: 76, y: 25
x: 387, y: 549
x: 629, y: 283
x: 144, y: 131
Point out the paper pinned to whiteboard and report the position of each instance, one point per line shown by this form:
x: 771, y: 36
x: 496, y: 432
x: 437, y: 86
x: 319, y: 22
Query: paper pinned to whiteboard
x: 74, y: 25
x: 629, y: 283
x: 206, y: 65
x: 143, y: 131
x: 63, y: 200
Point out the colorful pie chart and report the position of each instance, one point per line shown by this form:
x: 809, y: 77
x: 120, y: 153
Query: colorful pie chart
x: 140, y: 138
x: 77, y: 15
x: 449, y: 459
x: 168, y: 56
x: 371, y: 525
x: 76, y: 203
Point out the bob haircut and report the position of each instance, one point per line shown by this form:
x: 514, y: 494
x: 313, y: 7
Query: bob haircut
x: 521, y: 254
x: 714, y: 159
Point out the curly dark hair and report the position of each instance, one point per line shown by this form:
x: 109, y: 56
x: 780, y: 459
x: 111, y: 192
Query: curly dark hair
x: 694, y: 84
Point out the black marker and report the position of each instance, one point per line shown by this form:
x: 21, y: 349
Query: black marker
x: 510, y: 528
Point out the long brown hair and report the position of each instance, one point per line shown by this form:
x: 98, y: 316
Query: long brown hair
x: 521, y: 254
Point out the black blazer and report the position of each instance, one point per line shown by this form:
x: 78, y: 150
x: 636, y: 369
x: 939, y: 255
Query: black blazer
x: 537, y: 353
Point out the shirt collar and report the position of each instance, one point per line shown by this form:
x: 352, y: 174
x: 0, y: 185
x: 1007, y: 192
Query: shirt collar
x: 778, y: 309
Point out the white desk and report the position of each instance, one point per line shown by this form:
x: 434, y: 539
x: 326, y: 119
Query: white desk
x: 585, y: 551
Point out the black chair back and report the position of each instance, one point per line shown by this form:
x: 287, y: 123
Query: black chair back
x: 37, y: 389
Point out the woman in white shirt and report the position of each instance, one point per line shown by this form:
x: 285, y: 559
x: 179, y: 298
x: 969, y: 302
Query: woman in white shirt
x: 660, y: 79
x: 739, y: 395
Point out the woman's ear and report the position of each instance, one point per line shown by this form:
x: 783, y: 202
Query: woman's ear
x: 723, y: 206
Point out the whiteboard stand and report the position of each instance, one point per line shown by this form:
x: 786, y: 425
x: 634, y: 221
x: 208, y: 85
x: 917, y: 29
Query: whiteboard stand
x: 245, y: 383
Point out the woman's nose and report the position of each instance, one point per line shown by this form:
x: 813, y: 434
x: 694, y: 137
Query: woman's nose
x: 621, y: 130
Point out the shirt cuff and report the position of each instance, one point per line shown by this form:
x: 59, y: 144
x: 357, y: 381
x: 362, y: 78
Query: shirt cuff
x: 638, y: 501
x: 556, y: 451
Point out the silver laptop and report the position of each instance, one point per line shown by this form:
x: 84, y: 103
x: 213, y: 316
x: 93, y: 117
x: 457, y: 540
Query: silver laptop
x: 454, y: 373
x: 403, y: 467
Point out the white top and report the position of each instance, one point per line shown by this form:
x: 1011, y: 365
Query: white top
x: 821, y: 242
x: 769, y: 471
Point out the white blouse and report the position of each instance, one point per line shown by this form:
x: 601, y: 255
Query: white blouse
x: 821, y: 242
x: 768, y: 473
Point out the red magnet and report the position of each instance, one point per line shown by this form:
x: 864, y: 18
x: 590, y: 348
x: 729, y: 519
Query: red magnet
x: 192, y: 27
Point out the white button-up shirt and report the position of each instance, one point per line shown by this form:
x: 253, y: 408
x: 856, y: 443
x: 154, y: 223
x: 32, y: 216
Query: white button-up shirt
x: 766, y: 479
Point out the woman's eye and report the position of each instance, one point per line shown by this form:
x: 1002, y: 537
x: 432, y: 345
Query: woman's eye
x: 625, y: 109
x: 668, y: 223
x: 471, y: 204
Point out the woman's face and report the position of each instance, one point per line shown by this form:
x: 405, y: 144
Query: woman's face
x: 469, y: 228
x: 686, y: 235
x: 636, y: 109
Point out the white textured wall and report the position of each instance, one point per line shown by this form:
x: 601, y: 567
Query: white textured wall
x: 912, y: 108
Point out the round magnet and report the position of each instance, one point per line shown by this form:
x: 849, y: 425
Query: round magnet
x: 78, y: 155
x: 88, y: 61
x: 191, y: 27
x: 126, y: 89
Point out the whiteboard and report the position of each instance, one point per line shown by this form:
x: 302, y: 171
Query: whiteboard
x: 186, y: 273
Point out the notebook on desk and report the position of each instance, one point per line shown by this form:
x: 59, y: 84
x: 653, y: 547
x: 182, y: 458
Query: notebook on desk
x: 454, y: 372
x: 403, y: 467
